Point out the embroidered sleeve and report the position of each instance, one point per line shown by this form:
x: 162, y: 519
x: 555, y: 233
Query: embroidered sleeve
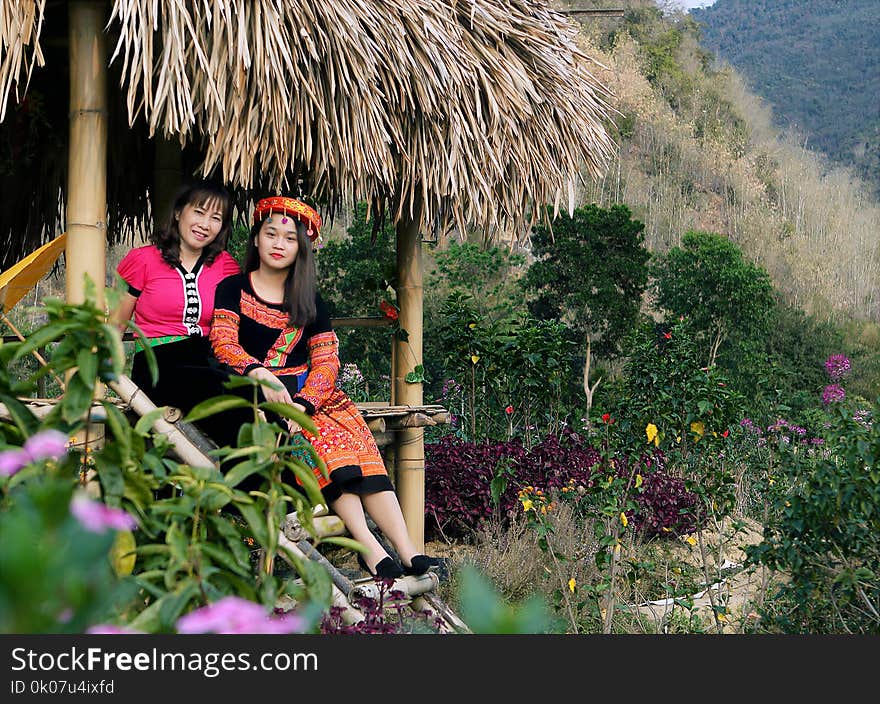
x: 323, y: 361
x: 323, y: 370
x: 224, y: 329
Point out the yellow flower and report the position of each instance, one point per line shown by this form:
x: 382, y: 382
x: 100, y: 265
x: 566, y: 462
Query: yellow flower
x: 691, y: 540
x: 475, y: 358
x: 571, y: 585
x: 698, y: 428
x: 638, y: 480
x: 527, y: 505
x: 722, y: 617
x: 651, y: 432
x: 472, y: 325
x: 623, y: 519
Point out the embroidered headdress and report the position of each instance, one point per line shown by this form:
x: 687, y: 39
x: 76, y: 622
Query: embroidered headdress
x: 292, y: 207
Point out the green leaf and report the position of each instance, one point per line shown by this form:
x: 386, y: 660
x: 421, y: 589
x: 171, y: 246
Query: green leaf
x: 416, y: 376
x: 21, y: 415
x: 287, y: 411
x: 87, y: 364
x: 175, y: 603
x: 42, y: 337
x: 77, y: 400
x: 216, y: 404
x: 223, y: 558
x: 146, y: 421
x: 256, y: 522
x: 242, y: 471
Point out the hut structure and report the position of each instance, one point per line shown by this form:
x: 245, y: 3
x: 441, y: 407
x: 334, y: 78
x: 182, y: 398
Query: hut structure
x: 436, y: 113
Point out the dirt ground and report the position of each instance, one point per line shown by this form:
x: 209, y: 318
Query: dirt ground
x: 734, y: 587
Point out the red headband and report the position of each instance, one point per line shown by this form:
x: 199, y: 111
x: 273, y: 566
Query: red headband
x: 289, y: 206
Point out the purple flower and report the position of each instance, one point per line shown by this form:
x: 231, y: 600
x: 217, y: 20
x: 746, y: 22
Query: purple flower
x: 109, y: 629
x: 45, y: 445
x: 12, y: 460
x: 232, y: 614
x: 837, y: 366
x: 833, y: 393
x: 863, y: 417
x: 96, y: 517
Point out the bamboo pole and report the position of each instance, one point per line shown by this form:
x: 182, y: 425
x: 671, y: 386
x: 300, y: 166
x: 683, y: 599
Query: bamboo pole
x: 87, y: 158
x: 409, y: 445
x: 184, y: 448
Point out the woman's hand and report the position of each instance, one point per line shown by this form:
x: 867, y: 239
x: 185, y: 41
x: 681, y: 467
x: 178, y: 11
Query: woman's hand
x: 276, y: 392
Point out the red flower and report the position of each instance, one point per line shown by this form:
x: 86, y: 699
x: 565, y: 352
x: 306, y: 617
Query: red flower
x: 508, y: 410
x: 667, y: 335
x: 606, y: 418
x: 725, y: 433
x: 388, y: 310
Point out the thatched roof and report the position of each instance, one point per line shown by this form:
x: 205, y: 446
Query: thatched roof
x: 482, y: 111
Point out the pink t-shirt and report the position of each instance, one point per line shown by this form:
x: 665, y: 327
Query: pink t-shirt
x: 172, y: 300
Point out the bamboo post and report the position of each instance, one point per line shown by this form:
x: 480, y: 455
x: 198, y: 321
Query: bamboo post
x: 409, y: 445
x: 86, y: 251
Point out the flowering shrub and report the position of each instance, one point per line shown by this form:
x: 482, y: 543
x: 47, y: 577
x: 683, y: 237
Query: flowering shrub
x: 459, y: 475
x: 147, y: 540
x: 837, y: 366
x: 832, y: 394
x: 821, y: 526
x: 232, y: 614
x: 353, y: 383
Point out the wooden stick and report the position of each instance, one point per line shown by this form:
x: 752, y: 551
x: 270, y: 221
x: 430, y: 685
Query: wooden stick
x: 35, y: 353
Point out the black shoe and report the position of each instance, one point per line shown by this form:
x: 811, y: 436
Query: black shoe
x: 386, y: 568
x: 420, y: 564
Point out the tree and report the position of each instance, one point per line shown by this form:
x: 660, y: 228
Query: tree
x: 707, y: 280
x: 590, y: 272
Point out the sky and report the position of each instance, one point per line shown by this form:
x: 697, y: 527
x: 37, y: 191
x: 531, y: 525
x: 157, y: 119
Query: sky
x: 688, y: 4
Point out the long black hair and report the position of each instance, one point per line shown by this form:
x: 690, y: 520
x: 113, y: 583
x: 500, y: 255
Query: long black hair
x: 301, y: 283
x: 201, y: 192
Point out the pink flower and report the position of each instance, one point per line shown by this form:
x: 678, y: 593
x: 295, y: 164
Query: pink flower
x: 109, y: 629
x: 96, y: 517
x: 508, y: 410
x: 832, y: 394
x: 12, y: 460
x: 45, y: 445
x: 232, y: 614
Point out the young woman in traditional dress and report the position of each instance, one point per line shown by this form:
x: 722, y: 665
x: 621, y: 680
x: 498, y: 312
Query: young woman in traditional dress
x: 271, y: 324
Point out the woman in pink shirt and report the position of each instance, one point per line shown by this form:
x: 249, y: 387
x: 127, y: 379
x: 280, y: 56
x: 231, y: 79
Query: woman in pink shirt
x: 171, y: 285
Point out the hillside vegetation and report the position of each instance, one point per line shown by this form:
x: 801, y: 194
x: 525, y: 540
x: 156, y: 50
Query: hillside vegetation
x: 816, y: 61
x: 699, y: 151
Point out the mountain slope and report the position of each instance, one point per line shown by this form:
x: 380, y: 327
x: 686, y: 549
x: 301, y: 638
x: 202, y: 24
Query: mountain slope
x: 817, y: 62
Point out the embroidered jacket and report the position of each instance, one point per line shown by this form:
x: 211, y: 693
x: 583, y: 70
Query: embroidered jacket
x: 249, y: 332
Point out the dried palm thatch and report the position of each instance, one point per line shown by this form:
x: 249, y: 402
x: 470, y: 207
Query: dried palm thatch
x: 465, y: 112
x: 20, y: 25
